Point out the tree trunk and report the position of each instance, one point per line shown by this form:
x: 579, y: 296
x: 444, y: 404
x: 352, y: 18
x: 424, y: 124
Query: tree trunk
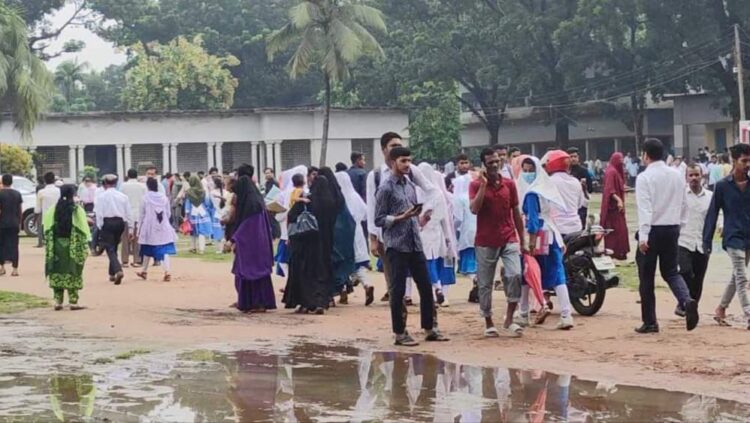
x: 562, y: 132
x: 326, y: 122
x: 637, y: 104
x: 492, y: 124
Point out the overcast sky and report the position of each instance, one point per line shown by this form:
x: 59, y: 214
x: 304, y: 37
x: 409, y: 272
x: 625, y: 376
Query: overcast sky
x: 98, y: 53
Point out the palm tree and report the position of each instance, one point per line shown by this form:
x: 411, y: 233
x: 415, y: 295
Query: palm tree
x: 331, y: 34
x: 67, y: 75
x: 25, y: 83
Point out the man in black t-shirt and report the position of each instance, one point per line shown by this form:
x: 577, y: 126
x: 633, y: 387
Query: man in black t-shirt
x: 587, y: 184
x: 10, y: 224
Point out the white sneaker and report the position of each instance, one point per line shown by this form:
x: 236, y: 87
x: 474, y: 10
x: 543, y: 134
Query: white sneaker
x: 522, y: 320
x: 566, y: 323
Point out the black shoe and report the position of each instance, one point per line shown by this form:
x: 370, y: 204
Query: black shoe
x: 118, y: 277
x: 691, y: 314
x: 474, y: 295
x: 440, y: 298
x: 647, y: 329
x: 386, y: 298
x: 370, y: 292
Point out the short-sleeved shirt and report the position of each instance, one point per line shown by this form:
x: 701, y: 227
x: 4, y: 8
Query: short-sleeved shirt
x: 495, y: 224
x: 10, y: 202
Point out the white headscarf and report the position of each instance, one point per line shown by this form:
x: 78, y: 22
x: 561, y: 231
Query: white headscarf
x: 542, y: 186
x: 440, y: 210
x: 354, y: 202
x: 461, y: 185
x: 286, y: 184
x: 444, y: 208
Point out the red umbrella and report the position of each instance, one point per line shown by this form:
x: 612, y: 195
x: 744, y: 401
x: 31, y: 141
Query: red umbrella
x: 532, y: 274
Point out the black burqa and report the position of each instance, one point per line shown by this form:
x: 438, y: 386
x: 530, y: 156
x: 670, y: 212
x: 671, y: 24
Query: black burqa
x: 343, y: 240
x: 310, y: 265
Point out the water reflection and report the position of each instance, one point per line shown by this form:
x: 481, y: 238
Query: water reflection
x: 309, y: 382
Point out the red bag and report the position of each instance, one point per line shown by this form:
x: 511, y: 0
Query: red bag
x: 186, y: 228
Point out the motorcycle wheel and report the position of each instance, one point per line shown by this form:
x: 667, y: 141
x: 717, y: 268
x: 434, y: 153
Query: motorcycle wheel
x: 591, y: 301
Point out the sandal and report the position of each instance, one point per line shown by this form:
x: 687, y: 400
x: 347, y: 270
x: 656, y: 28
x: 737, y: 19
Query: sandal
x: 142, y: 275
x: 167, y: 277
x: 408, y: 301
x: 14, y: 273
x: 541, y: 316
x: 491, y: 332
x: 722, y: 321
x: 76, y: 307
x: 514, y: 331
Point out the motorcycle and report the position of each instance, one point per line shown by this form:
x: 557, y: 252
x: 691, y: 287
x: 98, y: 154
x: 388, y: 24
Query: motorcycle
x: 589, y: 269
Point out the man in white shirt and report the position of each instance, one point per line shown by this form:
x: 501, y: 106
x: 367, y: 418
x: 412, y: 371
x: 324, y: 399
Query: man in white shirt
x: 662, y: 209
x: 692, y: 259
x: 113, y: 217
x: 151, y: 172
x: 45, y: 198
x: 135, y: 191
x: 567, y: 220
x: 505, y: 169
x: 376, y: 179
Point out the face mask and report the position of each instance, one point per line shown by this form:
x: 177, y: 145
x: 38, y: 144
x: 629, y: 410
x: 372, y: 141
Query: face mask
x: 529, y: 177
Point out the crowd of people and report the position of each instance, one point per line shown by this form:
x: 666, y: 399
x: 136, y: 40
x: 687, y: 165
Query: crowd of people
x: 490, y: 223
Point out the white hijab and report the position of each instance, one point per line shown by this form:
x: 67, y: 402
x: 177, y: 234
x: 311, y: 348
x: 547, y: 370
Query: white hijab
x: 287, y: 186
x: 443, y: 209
x: 440, y: 210
x: 354, y: 202
x: 461, y: 186
x: 542, y: 186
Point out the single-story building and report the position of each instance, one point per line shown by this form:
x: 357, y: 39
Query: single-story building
x: 179, y: 141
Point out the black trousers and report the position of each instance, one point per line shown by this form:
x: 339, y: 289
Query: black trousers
x: 109, y: 236
x: 693, y: 266
x: 583, y: 213
x: 662, y: 248
x: 400, y: 265
x: 9, y: 246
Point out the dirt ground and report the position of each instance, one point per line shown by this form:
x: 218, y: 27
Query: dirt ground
x: 193, y: 310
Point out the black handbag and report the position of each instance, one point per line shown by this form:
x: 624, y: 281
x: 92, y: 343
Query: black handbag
x: 306, y: 223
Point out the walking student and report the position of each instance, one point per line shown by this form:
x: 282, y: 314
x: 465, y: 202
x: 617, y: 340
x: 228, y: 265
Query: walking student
x: 113, y: 217
x: 10, y: 224
x: 662, y: 209
x: 494, y: 200
x: 135, y: 191
x: 396, y: 212
x: 156, y: 236
x: 693, y: 259
x: 199, y: 211
x: 732, y: 197
x: 67, y: 236
x: 45, y: 199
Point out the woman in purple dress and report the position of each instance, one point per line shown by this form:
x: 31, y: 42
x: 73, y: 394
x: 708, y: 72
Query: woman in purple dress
x: 156, y: 235
x: 249, y: 235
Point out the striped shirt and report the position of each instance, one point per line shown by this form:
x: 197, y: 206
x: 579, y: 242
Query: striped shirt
x: 396, y: 196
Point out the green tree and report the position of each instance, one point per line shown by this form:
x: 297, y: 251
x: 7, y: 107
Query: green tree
x: 14, y: 160
x: 69, y: 78
x: 236, y: 27
x: 178, y: 75
x: 42, y: 31
x: 435, y: 123
x: 25, y: 83
x: 104, y: 88
x: 330, y: 34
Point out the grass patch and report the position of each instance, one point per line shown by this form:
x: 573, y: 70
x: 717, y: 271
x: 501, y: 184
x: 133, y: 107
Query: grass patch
x: 12, y: 302
x: 183, y: 251
x: 628, y: 276
x: 199, y: 355
x: 127, y: 355
x: 103, y: 360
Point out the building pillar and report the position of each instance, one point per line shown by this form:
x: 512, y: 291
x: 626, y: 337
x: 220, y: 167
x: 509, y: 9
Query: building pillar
x: 164, y: 158
x: 210, y: 155
x: 277, y: 157
x: 128, y: 157
x: 533, y: 150
x: 269, y: 155
x: 219, y: 157
x: 680, y: 138
x: 618, y: 145
x: 173, y: 154
x: 254, y: 155
x: 81, y: 163
x: 587, y: 150
x: 72, y: 163
x: 120, y: 171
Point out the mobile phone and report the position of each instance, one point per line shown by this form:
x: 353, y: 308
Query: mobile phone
x: 418, y: 207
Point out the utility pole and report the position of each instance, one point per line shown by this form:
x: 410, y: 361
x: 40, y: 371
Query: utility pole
x: 740, y: 71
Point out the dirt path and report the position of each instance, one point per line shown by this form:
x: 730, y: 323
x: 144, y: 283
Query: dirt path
x: 193, y: 310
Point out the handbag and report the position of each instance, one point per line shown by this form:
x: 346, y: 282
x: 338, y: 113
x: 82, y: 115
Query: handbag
x: 306, y: 223
x: 185, y: 227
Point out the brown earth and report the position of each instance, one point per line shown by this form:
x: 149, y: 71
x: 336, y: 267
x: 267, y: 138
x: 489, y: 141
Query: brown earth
x: 193, y: 310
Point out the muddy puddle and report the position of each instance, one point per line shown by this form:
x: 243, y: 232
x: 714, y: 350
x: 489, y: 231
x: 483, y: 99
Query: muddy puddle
x: 45, y: 376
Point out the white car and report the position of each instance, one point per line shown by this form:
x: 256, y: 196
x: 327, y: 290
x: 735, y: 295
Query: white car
x: 28, y: 192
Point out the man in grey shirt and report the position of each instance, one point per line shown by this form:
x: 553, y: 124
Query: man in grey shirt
x: 396, y: 212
